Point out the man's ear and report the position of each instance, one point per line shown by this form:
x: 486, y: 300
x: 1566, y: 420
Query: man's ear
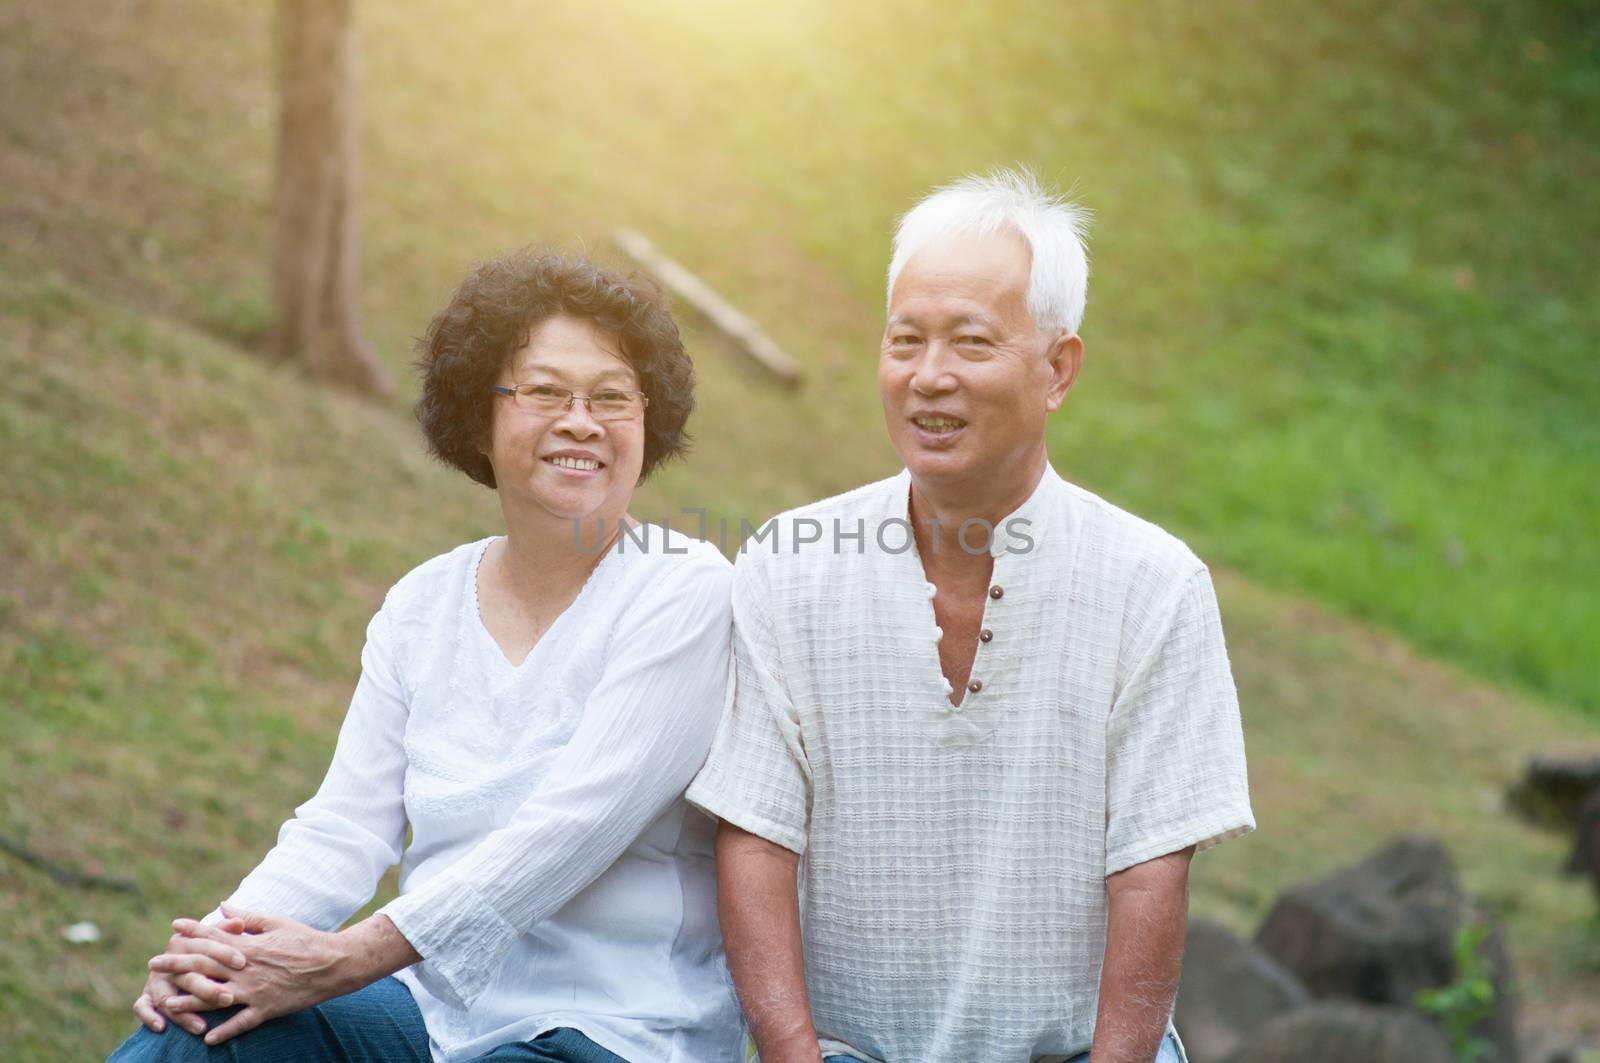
x: 1066, y: 358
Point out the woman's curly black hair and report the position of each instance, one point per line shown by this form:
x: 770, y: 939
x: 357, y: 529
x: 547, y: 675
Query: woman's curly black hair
x: 491, y: 316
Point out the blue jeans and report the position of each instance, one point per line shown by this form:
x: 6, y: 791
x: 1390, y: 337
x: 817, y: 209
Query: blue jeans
x: 378, y: 1024
x: 1167, y: 1053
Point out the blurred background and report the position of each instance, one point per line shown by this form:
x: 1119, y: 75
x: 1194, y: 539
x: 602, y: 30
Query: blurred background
x: 1341, y: 338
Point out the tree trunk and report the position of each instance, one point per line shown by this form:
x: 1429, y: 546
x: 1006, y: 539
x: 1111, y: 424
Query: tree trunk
x: 315, y: 266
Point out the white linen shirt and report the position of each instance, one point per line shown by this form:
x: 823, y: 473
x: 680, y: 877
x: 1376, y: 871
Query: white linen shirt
x: 555, y: 875
x: 953, y: 880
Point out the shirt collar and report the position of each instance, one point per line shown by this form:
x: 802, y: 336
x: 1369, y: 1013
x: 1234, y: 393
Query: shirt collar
x: 1016, y: 533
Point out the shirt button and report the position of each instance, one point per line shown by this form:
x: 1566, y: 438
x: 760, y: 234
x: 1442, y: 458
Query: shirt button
x: 997, y: 592
x: 975, y: 686
x: 986, y: 635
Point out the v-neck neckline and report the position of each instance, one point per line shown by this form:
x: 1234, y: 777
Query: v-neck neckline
x: 483, y: 632
x: 933, y: 665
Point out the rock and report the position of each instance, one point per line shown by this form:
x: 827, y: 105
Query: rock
x: 85, y: 933
x: 1345, y: 1033
x: 1230, y: 988
x: 1383, y: 930
x: 1554, y: 788
x: 1585, y: 859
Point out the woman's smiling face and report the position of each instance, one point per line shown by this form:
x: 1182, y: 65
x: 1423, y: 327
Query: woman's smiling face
x: 567, y: 464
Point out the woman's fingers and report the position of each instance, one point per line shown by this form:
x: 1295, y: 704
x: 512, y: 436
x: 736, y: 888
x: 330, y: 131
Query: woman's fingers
x: 220, y: 951
x: 152, y: 1007
x: 255, y: 922
x: 191, y: 962
x: 146, y: 1011
x: 211, y: 994
x: 194, y: 928
x: 187, y: 1020
x: 182, y: 1005
x: 245, y: 1020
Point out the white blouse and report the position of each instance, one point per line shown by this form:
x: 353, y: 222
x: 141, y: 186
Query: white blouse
x: 955, y: 856
x: 555, y: 875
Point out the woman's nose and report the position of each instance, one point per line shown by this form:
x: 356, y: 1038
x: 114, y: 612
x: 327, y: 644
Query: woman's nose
x: 578, y: 422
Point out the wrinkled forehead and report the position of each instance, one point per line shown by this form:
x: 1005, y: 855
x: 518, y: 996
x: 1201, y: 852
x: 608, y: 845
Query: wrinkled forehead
x: 573, y: 350
x: 965, y: 273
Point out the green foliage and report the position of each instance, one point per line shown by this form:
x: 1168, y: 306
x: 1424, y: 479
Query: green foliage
x: 1466, y: 1002
x: 1581, y: 947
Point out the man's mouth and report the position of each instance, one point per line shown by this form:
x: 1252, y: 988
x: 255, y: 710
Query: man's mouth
x: 939, y: 425
x: 580, y: 464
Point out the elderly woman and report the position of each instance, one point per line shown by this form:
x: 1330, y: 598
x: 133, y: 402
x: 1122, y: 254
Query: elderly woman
x: 531, y: 707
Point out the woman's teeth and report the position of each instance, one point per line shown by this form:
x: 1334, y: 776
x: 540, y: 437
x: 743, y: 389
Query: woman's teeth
x: 585, y: 464
x: 938, y: 424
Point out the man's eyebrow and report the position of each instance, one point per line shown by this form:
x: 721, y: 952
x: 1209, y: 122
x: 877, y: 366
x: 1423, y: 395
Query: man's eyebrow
x: 962, y: 320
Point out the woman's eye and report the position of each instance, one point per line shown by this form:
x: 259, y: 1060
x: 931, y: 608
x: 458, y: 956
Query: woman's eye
x: 547, y: 391
x: 611, y: 396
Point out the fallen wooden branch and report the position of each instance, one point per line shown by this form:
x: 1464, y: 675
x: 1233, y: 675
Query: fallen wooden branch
x: 697, y: 293
x: 64, y: 876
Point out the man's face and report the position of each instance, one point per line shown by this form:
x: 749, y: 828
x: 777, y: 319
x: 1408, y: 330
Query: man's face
x: 965, y: 375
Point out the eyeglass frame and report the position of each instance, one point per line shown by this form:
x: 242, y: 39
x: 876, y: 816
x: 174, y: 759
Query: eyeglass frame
x: 573, y: 396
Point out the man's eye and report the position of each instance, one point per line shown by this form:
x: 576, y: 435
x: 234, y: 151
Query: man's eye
x: 904, y: 341
x: 973, y: 341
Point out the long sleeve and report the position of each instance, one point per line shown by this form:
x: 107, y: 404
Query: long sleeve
x: 757, y: 776
x: 645, y: 730
x: 330, y: 856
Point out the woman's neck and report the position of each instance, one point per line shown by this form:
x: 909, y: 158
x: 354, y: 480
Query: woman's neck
x: 545, y: 561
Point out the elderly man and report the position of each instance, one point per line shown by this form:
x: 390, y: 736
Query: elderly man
x: 987, y: 717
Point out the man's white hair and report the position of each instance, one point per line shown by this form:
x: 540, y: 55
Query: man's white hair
x: 1009, y: 198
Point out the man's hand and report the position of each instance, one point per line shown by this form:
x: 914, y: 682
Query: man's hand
x: 289, y: 966
x: 1148, y: 909
x: 165, y: 998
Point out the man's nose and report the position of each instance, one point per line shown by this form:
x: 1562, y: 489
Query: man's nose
x: 932, y: 373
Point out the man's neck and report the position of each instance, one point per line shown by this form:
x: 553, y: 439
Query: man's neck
x: 939, y: 512
x: 991, y: 500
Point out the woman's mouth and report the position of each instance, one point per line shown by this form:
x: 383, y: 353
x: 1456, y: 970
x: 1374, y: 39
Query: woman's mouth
x: 562, y: 461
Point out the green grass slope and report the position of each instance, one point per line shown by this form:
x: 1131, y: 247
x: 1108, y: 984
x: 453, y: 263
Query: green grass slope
x: 1337, y: 333
x: 1342, y: 311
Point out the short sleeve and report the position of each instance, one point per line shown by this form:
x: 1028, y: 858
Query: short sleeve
x: 1175, y: 765
x: 757, y: 776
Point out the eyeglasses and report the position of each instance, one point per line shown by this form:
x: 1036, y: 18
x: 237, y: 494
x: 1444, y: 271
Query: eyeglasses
x: 548, y: 400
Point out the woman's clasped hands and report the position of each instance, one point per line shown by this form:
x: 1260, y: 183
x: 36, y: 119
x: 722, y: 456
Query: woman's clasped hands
x: 267, y: 965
